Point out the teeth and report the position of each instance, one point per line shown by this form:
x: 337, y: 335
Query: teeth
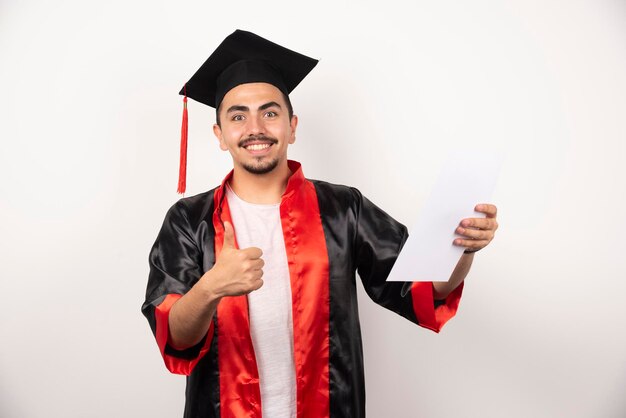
x: 257, y: 147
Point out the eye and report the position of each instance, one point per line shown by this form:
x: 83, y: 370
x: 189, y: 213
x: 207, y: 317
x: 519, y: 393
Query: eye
x: 271, y: 114
x: 237, y: 118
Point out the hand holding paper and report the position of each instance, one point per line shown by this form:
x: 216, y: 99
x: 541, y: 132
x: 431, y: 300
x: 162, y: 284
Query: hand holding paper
x: 478, y: 232
x: 433, y: 250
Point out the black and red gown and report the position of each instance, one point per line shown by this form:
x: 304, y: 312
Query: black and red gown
x: 331, y: 233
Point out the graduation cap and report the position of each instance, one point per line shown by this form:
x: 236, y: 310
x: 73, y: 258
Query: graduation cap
x: 242, y: 57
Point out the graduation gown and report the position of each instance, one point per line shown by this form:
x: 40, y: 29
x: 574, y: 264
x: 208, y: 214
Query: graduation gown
x: 331, y: 232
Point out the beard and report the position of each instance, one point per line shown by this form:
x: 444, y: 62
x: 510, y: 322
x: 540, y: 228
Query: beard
x: 261, y: 167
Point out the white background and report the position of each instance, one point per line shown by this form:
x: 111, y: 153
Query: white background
x: 90, y: 128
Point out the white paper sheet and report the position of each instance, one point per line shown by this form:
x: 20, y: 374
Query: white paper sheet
x: 466, y: 179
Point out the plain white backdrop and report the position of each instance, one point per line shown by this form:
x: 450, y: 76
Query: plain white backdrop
x: 90, y: 128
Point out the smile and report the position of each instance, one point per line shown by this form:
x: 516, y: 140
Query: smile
x: 257, y: 147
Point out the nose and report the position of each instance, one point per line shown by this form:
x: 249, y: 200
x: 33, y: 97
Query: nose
x: 255, y: 126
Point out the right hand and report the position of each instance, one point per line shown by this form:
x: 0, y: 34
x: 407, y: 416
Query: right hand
x: 236, y: 272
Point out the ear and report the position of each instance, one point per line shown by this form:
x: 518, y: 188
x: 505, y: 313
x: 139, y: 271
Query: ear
x: 293, y: 124
x: 217, y: 131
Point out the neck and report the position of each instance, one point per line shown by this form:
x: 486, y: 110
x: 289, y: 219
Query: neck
x: 261, y: 188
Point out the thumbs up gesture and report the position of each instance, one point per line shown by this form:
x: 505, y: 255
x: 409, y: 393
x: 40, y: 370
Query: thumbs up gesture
x: 236, y: 271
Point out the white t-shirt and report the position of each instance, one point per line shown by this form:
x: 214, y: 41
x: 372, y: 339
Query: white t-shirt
x: 271, y: 323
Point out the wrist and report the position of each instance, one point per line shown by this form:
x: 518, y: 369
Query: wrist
x: 209, y: 287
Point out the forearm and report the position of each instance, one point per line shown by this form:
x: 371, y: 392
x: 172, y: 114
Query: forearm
x: 442, y: 289
x: 191, y: 315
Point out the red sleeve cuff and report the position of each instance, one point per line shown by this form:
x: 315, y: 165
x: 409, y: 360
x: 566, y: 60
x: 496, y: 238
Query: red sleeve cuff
x: 173, y: 363
x: 424, y: 305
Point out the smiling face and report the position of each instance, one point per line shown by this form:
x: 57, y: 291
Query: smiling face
x: 255, y: 127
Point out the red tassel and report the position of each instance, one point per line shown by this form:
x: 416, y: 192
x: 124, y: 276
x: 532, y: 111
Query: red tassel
x: 182, y: 172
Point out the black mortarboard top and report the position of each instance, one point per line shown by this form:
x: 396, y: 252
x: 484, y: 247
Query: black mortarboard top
x: 242, y: 57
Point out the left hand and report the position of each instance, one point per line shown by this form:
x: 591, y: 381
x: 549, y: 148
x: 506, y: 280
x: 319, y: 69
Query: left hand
x: 477, y: 233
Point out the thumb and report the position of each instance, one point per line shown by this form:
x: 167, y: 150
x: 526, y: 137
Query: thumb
x: 229, y: 235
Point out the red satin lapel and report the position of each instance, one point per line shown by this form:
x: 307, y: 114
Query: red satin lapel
x: 240, y: 395
x: 307, y: 257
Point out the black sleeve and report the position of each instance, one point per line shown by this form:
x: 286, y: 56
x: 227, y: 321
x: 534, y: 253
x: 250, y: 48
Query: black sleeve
x: 175, y: 266
x: 379, y: 239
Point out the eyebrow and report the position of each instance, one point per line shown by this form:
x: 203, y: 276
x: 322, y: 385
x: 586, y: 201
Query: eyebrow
x: 268, y: 105
x: 241, y: 108
x: 237, y: 108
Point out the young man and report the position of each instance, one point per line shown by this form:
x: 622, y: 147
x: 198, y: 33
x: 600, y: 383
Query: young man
x: 252, y: 290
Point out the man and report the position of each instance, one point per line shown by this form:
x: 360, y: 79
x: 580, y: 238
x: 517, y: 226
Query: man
x: 262, y: 317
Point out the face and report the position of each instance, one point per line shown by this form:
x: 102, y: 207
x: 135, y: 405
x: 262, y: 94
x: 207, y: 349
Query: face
x: 255, y: 127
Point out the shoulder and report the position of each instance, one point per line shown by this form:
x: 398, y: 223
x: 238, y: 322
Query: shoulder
x: 193, y: 209
x: 338, y: 192
x: 336, y: 198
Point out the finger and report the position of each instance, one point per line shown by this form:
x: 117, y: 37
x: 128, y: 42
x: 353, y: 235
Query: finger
x: 480, y: 223
x: 470, y: 244
x: 488, y: 209
x: 257, y: 284
x: 257, y: 264
x: 253, y: 252
x: 229, y: 235
x: 253, y: 275
x: 474, y: 233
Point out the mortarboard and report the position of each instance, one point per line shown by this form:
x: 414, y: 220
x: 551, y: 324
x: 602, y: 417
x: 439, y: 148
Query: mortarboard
x: 242, y: 57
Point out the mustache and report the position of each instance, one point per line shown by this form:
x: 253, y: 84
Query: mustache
x: 255, y: 138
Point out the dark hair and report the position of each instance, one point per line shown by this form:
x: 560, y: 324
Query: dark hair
x: 285, y: 98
